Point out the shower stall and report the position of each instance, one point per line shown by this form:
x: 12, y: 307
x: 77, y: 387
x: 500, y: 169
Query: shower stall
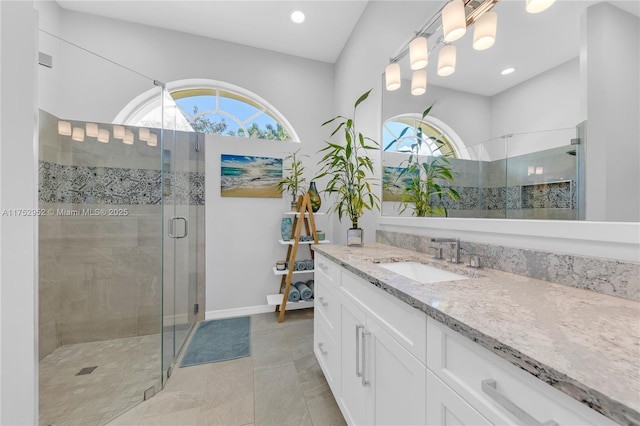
x: 121, y: 237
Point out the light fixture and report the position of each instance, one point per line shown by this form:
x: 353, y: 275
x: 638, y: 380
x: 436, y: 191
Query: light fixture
x: 128, y: 137
x: 537, y: 6
x: 447, y: 60
x: 539, y: 170
x: 103, y: 135
x: 92, y: 130
x: 531, y: 170
x: 297, y: 16
x: 418, y: 53
x: 118, y: 132
x: 64, y: 128
x: 507, y: 71
x: 392, y: 76
x: 419, y: 82
x: 454, y: 21
x: 484, y: 30
x: 143, y: 134
x: 153, y: 140
x: 78, y: 134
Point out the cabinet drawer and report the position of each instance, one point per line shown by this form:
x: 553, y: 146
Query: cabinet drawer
x: 327, y: 354
x: 445, y: 407
x: 507, y: 390
x: 404, y: 323
x: 327, y: 304
x: 326, y: 271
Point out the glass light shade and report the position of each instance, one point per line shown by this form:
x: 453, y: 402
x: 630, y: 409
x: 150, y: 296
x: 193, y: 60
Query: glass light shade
x: 418, y: 53
x: 118, y: 132
x: 128, y: 137
x: 103, y: 135
x: 392, y: 76
x: 92, y: 130
x: 143, y: 134
x: 539, y: 170
x: 454, y: 20
x: 153, y: 140
x: 78, y: 134
x: 447, y: 60
x: 537, y: 6
x: 64, y: 128
x: 297, y: 16
x: 419, y: 82
x: 484, y: 32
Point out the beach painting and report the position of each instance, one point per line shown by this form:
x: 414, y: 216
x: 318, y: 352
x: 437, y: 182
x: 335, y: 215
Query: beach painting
x: 393, y: 184
x: 248, y: 176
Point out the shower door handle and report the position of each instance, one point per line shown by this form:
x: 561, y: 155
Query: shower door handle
x: 172, y: 227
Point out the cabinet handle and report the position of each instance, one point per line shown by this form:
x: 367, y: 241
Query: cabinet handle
x: 322, y: 302
x: 489, y: 387
x: 365, y: 382
x: 323, y: 352
x: 358, y: 327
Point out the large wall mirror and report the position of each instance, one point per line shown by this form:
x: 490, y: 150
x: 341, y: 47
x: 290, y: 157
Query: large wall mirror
x: 555, y: 139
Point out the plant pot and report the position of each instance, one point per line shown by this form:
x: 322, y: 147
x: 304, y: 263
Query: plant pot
x: 355, y: 237
x: 294, y: 206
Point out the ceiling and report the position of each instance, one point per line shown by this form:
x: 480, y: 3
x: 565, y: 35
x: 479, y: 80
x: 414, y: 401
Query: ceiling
x: 258, y: 23
x: 530, y: 43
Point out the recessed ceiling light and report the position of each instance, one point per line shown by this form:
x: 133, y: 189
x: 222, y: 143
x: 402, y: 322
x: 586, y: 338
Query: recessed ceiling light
x: 297, y: 16
x: 507, y: 71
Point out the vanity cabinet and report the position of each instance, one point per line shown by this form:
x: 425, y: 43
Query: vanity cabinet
x: 497, y: 390
x: 389, y: 363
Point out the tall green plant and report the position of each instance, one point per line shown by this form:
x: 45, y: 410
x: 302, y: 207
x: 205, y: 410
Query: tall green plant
x: 422, y: 185
x: 350, y: 168
x: 293, y: 181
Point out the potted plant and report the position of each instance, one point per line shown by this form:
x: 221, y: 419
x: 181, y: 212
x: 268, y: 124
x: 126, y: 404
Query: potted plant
x: 292, y: 183
x: 422, y: 182
x: 351, y: 172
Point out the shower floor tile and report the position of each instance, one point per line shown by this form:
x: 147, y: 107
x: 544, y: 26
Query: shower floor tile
x: 125, y: 368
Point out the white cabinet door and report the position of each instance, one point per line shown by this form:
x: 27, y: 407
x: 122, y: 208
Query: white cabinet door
x: 352, y: 397
x: 447, y: 408
x: 397, y: 390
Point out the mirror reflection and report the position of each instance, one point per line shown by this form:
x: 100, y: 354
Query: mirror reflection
x: 528, y: 144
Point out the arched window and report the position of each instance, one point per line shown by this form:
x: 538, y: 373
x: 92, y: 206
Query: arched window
x: 404, y: 132
x: 208, y: 106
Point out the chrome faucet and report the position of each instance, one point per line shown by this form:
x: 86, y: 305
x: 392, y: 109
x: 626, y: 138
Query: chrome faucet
x: 456, y: 257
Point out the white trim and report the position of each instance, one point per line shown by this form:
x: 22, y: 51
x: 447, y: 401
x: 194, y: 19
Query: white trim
x: 135, y: 110
x: 238, y: 312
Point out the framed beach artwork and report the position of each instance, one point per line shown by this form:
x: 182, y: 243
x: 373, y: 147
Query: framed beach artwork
x: 248, y: 176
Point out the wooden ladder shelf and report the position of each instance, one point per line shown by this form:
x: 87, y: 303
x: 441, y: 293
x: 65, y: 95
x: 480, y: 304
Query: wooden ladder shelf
x: 303, y: 216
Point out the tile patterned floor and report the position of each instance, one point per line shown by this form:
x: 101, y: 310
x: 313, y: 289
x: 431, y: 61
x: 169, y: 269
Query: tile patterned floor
x: 126, y: 367
x: 279, y: 384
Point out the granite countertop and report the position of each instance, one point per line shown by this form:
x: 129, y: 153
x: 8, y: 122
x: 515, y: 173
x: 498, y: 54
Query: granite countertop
x: 583, y: 343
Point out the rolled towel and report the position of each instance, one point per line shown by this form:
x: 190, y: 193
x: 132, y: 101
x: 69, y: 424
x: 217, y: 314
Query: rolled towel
x: 309, y: 263
x: 294, y: 294
x: 301, y: 264
x: 310, y: 285
x: 305, y: 292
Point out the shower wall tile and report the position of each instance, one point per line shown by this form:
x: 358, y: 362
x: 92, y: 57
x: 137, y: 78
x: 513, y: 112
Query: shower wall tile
x: 48, y: 337
x: 606, y: 276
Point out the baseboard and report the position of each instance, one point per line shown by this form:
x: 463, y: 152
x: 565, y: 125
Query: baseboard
x: 238, y: 312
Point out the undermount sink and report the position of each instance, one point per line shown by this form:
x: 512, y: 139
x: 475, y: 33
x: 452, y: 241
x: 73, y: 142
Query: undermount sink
x: 422, y: 273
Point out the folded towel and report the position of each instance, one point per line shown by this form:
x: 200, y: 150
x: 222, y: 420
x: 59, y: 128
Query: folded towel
x: 305, y: 292
x: 310, y: 285
x: 294, y: 294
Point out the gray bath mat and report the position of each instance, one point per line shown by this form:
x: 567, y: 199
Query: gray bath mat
x: 219, y: 340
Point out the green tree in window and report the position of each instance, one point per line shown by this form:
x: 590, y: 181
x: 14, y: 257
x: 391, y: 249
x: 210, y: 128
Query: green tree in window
x: 205, y: 125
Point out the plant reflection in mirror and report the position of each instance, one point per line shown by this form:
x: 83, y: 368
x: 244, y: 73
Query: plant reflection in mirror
x: 422, y: 178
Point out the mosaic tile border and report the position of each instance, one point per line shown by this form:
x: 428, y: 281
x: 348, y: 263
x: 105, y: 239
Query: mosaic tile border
x: 117, y: 186
x: 605, y: 276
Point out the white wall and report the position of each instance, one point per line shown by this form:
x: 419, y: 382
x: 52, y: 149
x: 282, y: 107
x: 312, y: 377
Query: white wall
x: 611, y: 67
x: 18, y: 189
x: 360, y: 67
x: 242, y: 234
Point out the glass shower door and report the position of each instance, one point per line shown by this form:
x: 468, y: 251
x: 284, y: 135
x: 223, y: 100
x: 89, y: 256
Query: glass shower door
x: 181, y: 219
